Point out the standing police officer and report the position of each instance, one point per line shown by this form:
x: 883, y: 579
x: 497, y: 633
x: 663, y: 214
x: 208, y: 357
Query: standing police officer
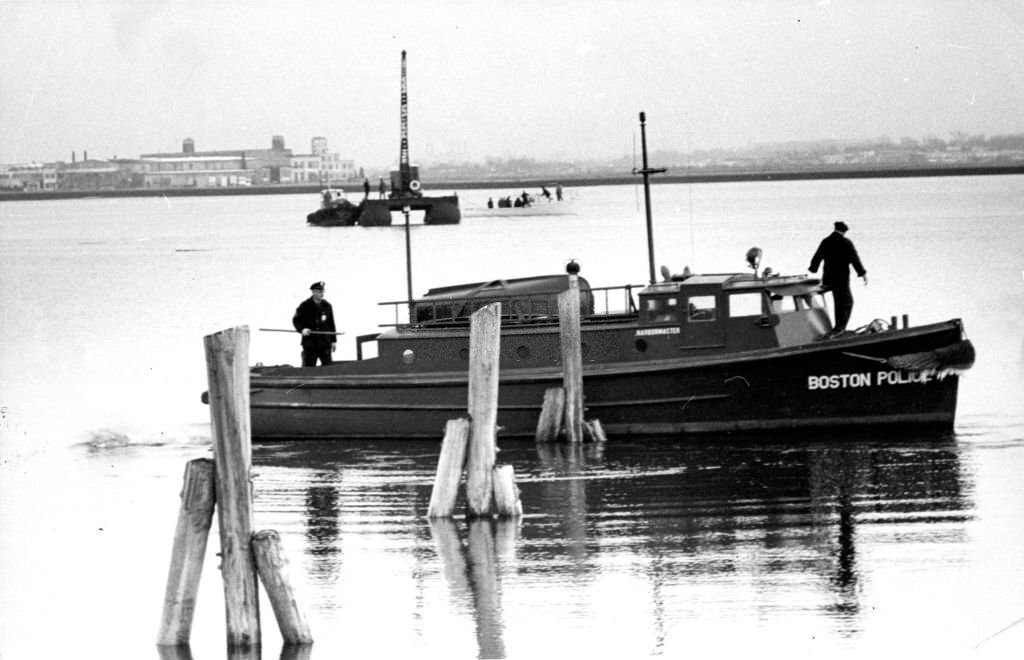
x: 314, y: 318
x: 839, y: 254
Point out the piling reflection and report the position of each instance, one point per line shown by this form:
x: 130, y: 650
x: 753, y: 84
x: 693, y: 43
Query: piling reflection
x: 323, y: 532
x: 472, y: 570
x: 563, y: 494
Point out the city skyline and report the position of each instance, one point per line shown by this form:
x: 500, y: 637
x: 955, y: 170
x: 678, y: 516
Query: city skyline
x: 548, y: 80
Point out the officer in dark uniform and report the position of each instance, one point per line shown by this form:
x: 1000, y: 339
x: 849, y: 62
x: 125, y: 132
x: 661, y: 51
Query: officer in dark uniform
x: 839, y: 254
x: 314, y: 318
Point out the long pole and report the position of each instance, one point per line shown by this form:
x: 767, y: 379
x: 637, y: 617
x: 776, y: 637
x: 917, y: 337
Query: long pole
x: 408, y: 266
x: 293, y: 331
x: 646, y: 172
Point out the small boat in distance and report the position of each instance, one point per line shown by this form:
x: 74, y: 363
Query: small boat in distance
x: 689, y: 353
x: 564, y: 207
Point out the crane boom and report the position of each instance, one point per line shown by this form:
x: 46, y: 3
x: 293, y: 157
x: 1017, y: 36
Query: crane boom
x: 403, y: 154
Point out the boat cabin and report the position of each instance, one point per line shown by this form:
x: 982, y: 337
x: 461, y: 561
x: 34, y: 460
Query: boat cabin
x: 682, y: 316
x: 734, y: 310
x: 526, y: 298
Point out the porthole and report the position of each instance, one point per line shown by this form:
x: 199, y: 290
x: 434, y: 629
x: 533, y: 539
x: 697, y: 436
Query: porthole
x: 408, y: 356
x: 464, y: 354
x: 641, y: 345
x: 523, y: 352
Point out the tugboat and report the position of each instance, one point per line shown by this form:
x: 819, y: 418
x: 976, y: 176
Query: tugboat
x: 690, y: 353
x: 335, y: 210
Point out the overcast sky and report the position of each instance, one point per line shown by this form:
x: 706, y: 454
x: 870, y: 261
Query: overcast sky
x: 552, y: 78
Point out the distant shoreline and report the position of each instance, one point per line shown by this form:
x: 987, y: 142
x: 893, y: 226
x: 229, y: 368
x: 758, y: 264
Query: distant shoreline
x: 537, y: 181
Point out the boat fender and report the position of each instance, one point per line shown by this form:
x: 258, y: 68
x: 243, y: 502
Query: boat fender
x: 414, y: 185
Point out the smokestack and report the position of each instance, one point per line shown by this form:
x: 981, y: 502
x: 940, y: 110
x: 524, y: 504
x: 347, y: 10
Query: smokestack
x: 72, y: 157
x: 188, y: 146
x: 85, y: 155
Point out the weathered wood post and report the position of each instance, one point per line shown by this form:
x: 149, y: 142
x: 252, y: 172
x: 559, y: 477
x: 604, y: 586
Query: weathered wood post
x: 227, y: 356
x: 449, y: 469
x: 506, y: 493
x: 165, y: 652
x: 273, y: 570
x: 572, y: 355
x: 552, y: 413
x: 190, y: 536
x: 593, y: 431
x: 295, y: 652
x: 484, y: 353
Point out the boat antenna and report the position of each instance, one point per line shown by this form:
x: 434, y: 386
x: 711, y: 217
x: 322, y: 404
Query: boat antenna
x: 403, y: 150
x: 647, y: 172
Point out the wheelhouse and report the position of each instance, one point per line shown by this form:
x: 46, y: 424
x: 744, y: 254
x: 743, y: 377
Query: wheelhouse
x: 735, y: 311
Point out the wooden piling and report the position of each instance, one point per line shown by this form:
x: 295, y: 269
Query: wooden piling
x: 227, y: 356
x: 165, y: 652
x: 593, y: 431
x: 273, y: 571
x: 484, y: 345
x: 190, y: 536
x: 296, y: 652
x: 549, y: 424
x: 572, y: 359
x: 449, y: 469
x: 506, y: 493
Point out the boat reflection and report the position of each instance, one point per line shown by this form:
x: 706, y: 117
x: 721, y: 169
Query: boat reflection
x: 763, y: 520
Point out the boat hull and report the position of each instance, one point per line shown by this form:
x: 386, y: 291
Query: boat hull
x: 835, y: 383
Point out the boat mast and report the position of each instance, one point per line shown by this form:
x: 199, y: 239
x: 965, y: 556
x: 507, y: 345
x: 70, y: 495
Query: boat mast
x: 646, y: 172
x: 403, y: 152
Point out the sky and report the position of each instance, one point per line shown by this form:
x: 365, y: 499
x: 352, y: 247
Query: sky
x: 536, y: 79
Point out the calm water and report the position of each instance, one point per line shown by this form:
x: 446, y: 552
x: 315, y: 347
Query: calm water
x: 776, y: 545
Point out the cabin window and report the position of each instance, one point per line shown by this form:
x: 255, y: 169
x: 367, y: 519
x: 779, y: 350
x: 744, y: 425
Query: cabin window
x: 745, y: 304
x: 663, y: 310
x: 702, y: 308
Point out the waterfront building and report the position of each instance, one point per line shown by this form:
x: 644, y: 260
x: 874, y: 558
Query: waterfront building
x: 91, y: 175
x: 321, y: 165
x: 222, y: 168
x: 29, y: 177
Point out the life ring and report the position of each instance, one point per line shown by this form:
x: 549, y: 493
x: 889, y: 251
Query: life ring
x: 414, y: 185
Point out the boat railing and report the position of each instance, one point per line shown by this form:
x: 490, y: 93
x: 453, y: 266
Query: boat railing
x: 596, y: 304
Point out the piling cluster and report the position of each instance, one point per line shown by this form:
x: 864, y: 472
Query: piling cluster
x: 224, y: 484
x: 470, y: 443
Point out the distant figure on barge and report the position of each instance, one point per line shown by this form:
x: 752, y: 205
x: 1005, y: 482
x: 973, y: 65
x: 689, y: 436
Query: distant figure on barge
x: 839, y: 254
